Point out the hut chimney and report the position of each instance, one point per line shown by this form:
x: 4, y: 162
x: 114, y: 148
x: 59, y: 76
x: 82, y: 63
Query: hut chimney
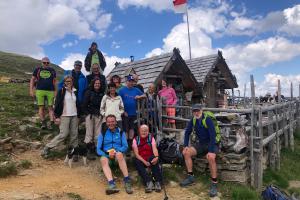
x: 117, y: 63
x: 131, y: 58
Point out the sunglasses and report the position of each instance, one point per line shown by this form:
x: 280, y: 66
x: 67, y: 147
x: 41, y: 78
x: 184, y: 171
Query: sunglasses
x: 68, y: 81
x: 46, y: 63
x: 78, y: 65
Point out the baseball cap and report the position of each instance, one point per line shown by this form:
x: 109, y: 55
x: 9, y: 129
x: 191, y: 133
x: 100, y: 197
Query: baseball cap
x: 197, y: 107
x: 130, y: 78
x: 78, y: 62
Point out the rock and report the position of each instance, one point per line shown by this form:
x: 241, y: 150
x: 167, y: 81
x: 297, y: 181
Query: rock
x: 7, y: 147
x: 2, y: 108
x: 22, y: 128
x: 173, y: 184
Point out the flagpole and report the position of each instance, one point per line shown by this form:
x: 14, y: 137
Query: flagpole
x: 188, y: 27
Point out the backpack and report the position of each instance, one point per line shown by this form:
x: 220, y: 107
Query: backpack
x: 169, y: 151
x: 214, y: 119
x: 149, y: 140
x: 274, y: 193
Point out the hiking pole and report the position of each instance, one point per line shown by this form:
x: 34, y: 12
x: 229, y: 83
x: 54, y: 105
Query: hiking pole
x: 162, y: 182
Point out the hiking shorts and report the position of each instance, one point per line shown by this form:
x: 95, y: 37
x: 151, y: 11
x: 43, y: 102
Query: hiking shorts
x: 171, y: 112
x: 202, y: 149
x: 128, y: 122
x: 42, y: 94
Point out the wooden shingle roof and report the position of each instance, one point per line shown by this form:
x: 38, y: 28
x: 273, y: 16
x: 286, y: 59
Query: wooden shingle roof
x: 148, y: 69
x: 200, y: 67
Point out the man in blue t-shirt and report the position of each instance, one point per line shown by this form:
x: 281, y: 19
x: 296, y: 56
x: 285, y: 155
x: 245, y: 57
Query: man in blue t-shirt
x: 130, y: 95
x: 43, y: 80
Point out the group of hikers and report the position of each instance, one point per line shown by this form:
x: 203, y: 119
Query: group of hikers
x: 109, y: 110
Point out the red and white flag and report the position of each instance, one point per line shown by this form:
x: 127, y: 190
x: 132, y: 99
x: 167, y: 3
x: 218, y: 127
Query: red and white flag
x: 180, y: 6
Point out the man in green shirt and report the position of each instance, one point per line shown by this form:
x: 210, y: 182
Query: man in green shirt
x: 94, y: 56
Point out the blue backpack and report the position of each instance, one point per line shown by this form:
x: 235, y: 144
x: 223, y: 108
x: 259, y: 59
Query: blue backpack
x: 274, y: 193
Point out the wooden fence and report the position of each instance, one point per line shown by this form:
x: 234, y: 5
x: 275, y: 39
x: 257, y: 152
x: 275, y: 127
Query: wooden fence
x: 270, y: 127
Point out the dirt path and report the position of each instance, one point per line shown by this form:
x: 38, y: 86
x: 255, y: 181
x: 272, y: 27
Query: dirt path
x: 53, y: 180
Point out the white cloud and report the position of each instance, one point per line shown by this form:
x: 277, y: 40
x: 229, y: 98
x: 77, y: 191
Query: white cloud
x: 270, y: 84
x: 155, y: 5
x: 103, y: 23
x: 68, y: 62
x: 118, y: 28
x: 115, y: 45
x: 69, y: 44
x: 42, y: 22
x: 245, y: 58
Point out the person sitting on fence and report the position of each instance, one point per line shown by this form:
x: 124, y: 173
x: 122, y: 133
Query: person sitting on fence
x: 168, y: 94
x: 116, y: 79
x: 146, y: 156
x: 205, y: 145
x: 130, y: 95
x: 112, y: 104
x: 111, y: 146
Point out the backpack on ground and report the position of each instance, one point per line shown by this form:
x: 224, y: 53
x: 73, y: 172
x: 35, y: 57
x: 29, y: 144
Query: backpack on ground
x: 203, y: 121
x: 274, y: 193
x: 169, y: 151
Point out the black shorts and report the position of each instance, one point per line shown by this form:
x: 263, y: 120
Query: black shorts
x: 202, y: 149
x: 128, y: 123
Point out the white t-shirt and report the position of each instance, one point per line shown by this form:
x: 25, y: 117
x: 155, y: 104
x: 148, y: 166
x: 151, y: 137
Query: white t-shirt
x: 70, y: 108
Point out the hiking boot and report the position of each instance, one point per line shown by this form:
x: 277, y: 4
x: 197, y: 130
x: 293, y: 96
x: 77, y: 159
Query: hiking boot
x: 111, y: 189
x: 43, y: 125
x: 190, y: 180
x: 149, y: 187
x: 213, y: 190
x: 128, y: 188
x: 157, y: 187
x: 45, y: 152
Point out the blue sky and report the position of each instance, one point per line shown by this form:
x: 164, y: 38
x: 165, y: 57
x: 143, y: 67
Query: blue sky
x: 256, y: 37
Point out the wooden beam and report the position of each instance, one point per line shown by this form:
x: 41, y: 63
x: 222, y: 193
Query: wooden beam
x: 253, y: 121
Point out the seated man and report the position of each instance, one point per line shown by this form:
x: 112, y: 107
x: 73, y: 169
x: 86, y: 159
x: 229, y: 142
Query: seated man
x: 205, y: 145
x: 146, y: 155
x: 112, y: 144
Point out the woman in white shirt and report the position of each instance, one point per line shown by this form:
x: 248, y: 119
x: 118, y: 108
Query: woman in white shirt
x: 112, y: 104
x: 66, y: 115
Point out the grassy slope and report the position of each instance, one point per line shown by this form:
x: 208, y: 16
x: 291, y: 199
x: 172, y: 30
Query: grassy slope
x: 16, y: 66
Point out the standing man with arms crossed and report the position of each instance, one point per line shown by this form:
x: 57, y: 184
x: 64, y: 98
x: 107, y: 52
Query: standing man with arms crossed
x: 205, y: 145
x: 94, y: 56
x: 45, y: 78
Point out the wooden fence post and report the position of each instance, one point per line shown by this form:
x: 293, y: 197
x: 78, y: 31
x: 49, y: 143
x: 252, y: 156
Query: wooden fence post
x: 253, y: 125
x: 245, y: 95
x: 159, y: 109
x: 271, y: 143
x: 259, y: 154
x: 277, y: 141
x: 291, y: 129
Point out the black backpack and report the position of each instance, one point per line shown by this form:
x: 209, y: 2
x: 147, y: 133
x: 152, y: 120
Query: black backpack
x: 274, y: 193
x: 169, y: 151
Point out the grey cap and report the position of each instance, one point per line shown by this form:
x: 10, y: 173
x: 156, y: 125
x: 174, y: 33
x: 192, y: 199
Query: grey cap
x: 197, y: 107
x: 78, y: 62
